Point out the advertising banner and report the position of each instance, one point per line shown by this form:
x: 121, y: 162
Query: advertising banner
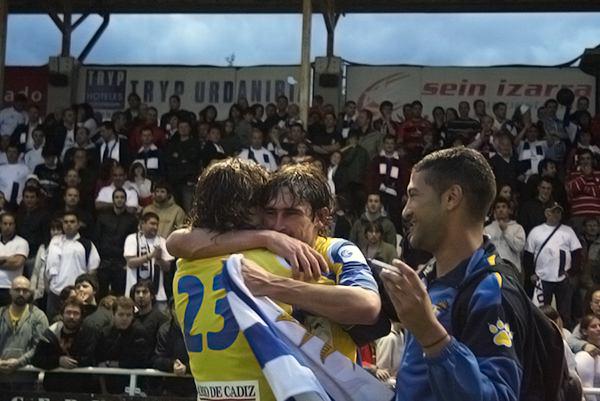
x: 447, y: 86
x: 106, y: 87
x: 31, y: 81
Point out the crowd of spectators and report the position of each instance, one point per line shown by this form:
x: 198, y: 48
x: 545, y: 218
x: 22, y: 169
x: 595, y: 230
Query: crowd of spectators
x: 86, y: 206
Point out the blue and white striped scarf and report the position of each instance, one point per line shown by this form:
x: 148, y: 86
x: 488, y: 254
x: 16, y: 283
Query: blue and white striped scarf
x: 298, y: 365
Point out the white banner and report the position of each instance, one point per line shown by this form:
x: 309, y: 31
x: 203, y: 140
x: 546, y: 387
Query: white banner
x: 447, y: 86
x: 106, y: 87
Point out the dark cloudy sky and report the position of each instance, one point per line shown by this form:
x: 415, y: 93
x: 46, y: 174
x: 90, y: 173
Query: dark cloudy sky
x: 430, y: 39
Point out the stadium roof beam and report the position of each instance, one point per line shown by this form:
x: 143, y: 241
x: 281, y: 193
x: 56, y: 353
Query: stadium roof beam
x: 294, y: 6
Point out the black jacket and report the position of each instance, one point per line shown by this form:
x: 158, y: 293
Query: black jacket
x: 170, y: 346
x: 130, y: 347
x: 48, y: 351
x: 111, y: 231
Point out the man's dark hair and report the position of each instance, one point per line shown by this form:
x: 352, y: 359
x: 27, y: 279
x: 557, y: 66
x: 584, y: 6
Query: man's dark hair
x: 8, y: 214
x: 297, y: 125
x: 368, y: 113
x: 584, y: 151
x: 543, y: 164
x: 374, y: 226
x: 176, y: 97
x: 21, y: 98
x: 33, y: 190
x: 163, y: 184
x: 547, y: 102
x: 133, y: 94
x: 547, y: 180
x: 406, y: 106
x: 349, y: 102
x: 501, y: 199
x: 143, y: 283
x: 108, y: 125
x: 87, y: 277
x: 225, y: 193
x: 497, y: 105
x: 149, y: 215
x: 123, y: 303
x: 71, y: 301
x: 417, y: 103
x: 119, y: 190
x: 305, y: 183
x: 65, y: 214
x: 385, y: 103
x: 389, y: 137
x: 49, y: 150
x: 464, y: 167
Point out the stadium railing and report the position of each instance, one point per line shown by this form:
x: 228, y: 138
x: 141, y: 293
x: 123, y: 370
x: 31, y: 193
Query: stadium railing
x: 132, y: 373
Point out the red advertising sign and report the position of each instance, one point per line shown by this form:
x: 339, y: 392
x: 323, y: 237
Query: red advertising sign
x: 31, y: 81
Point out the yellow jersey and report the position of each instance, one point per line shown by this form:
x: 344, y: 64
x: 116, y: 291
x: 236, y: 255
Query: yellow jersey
x: 221, y: 360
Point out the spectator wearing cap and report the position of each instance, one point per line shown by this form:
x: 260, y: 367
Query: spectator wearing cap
x: 21, y: 326
x: 583, y: 189
x: 13, y: 175
x: 13, y: 252
x: 552, y: 255
x: 32, y: 219
x: 50, y: 174
x: 12, y: 116
x: 33, y: 157
x: 506, y: 234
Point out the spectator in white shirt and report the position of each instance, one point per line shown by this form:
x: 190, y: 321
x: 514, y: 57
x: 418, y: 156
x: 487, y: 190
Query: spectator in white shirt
x: 531, y: 151
x: 258, y: 153
x: 506, y: 234
x: 69, y: 255
x: 33, y: 157
x: 147, y: 257
x: 104, y: 200
x: 13, y: 253
x: 13, y: 176
x: 13, y: 116
x: 552, y: 250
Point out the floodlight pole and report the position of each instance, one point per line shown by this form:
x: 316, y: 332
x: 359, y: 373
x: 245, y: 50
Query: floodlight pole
x: 305, y: 62
x: 3, y: 29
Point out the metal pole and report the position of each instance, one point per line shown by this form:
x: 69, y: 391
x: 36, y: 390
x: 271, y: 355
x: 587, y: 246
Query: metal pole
x: 132, y: 384
x: 3, y: 29
x: 305, y: 66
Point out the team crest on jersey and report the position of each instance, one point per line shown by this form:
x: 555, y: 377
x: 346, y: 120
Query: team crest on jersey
x: 502, y: 335
x: 346, y: 253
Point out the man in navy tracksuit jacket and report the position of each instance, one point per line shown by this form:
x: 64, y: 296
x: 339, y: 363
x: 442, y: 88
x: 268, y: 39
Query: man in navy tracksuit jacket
x: 448, y: 196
